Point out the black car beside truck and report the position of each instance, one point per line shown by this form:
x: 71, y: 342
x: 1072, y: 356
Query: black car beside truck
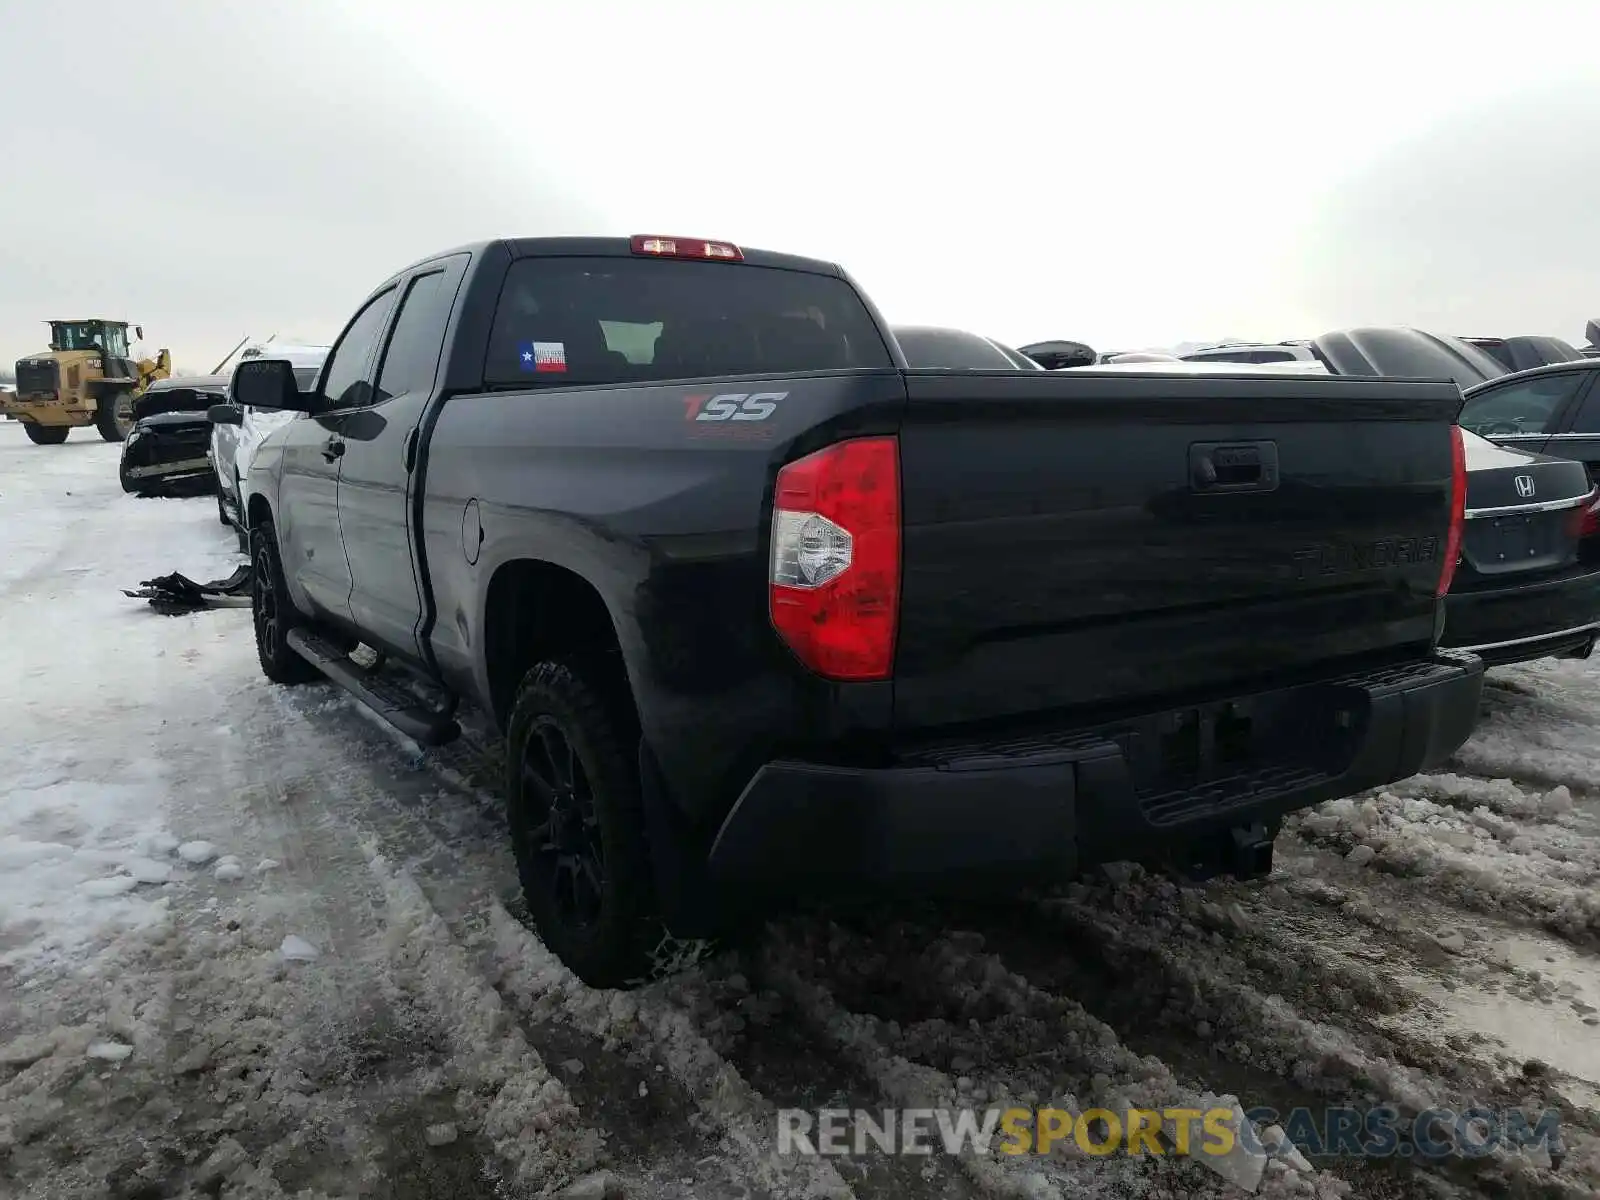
x: 165, y: 452
x: 763, y: 612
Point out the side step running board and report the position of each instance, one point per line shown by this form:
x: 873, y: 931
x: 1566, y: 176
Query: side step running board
x: 386, y: 698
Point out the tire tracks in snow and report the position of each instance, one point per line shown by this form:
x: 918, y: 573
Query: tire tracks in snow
x: 622, y: 1040
x: 1311, y: 1031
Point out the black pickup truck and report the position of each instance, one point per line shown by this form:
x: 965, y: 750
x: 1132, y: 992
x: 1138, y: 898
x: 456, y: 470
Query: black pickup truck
x: 763, y: 612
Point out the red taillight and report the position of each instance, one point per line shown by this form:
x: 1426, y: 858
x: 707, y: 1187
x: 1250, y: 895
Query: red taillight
x: 677, y: 247
x: 1586, y: 518
x: 1458, y: 509
x: 834, y: 580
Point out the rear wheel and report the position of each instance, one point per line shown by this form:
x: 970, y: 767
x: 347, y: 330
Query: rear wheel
x: 114, y: 418
x: 273, y: 613
x: 46, y: 435
x: 577, y: 828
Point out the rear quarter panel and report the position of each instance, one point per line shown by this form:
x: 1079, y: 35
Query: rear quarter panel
x: 667, y: 517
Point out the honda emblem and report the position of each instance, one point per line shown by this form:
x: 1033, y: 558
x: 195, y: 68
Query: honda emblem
x: 1524, y: 485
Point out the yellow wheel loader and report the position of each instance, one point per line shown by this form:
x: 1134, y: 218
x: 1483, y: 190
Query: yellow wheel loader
x: 86, y: 378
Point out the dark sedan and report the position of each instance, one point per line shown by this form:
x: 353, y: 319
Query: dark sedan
x: 1528, y: 582
x: 165, y: 453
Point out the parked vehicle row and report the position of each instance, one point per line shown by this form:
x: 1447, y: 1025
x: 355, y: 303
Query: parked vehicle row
x: 176, y: 447
x: 765, y: 607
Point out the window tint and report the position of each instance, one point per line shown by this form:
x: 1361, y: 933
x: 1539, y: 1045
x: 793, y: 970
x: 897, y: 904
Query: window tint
x: 1588, y: 418
x: 617, y: 320
x: 1526, y: 406
x: 418, y: 337
x: 347, y: 383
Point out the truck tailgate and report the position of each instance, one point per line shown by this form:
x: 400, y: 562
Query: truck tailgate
x: 1073, y: 538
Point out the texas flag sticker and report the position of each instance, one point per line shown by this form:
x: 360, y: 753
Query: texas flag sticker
x: 544, y: 357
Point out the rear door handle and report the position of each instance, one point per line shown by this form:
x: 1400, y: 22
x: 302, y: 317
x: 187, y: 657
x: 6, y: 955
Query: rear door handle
x: 333, y: 449
x: 1233, y: 466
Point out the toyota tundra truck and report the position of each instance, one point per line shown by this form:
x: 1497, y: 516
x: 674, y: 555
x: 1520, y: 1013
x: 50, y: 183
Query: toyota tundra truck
x: 762, y: 612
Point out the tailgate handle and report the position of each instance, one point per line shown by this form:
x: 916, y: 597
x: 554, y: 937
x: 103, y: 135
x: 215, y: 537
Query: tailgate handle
x: 1233, y: 466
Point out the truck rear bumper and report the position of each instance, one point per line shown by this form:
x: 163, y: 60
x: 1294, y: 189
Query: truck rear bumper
x: 1044, y: 805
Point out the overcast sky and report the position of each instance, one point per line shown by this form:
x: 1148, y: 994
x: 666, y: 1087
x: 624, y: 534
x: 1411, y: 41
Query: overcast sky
x: 1139, y: 176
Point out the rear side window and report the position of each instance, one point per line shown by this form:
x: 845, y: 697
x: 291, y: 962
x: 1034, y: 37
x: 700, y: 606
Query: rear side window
x: 1527, y: 406
x: 412, y: 357
x: 598, y: 321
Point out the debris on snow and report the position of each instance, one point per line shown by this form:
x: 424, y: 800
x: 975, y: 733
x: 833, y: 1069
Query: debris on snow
x: 1361, y: 855
x: 266, y: 864
x: 109, y: 1051
x: 228, y: 869
x: 197, y: 854
x: 440, y: 1135
x: 295, y: 948
x: 161, y: 843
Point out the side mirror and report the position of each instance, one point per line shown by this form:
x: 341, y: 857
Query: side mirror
x: 225, y: 414
x: 269, y: 383
x: 1057, y: 356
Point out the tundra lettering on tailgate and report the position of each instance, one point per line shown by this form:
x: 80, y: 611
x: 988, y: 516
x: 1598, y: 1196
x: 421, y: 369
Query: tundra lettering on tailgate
x: 1348, y: 558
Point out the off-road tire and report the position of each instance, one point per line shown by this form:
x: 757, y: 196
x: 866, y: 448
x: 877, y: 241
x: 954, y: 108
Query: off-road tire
x: 273, y: 614
x: 45, y: 435
x: 105, y: 417
x: 615, y: 949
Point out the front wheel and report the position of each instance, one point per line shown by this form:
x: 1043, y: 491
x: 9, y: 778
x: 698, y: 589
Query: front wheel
x: 114, y: 418
x: 577, y: 829
x: 129, y: 483
x: 273, y: 613
x: 46, y: 435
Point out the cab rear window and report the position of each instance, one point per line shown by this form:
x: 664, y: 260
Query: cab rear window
x: 599, y: 321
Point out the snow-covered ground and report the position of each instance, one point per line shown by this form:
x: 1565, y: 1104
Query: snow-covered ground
x: 252, y: 945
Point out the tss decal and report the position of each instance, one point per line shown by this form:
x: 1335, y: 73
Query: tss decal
x: 732, y: 406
